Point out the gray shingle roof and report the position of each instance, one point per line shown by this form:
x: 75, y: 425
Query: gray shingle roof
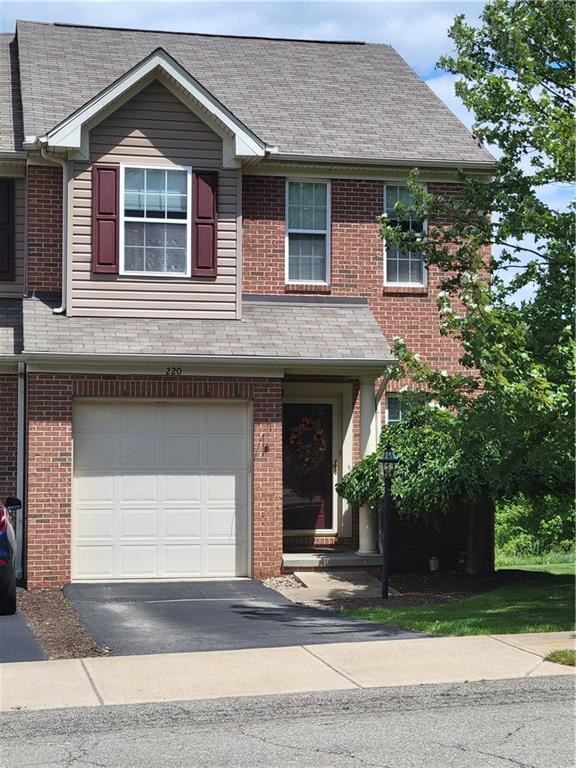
x: 10, y: 326
x: 308, y: 98
x: 290, y: 329
x: 10, y: 103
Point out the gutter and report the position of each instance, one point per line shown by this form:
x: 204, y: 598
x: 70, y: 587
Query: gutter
x: 64, y: 163
x: 209, y: 359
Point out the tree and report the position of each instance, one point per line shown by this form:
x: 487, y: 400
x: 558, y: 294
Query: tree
x: 509, y: 411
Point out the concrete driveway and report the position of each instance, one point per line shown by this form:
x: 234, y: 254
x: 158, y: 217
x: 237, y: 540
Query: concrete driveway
x: 180, y: 617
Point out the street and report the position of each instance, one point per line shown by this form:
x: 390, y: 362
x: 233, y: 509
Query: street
x: 526, y: 723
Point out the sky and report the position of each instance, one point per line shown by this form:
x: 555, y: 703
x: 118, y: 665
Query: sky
x: 417, y: 29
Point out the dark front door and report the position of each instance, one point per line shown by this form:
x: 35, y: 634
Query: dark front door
x: 307, y: 466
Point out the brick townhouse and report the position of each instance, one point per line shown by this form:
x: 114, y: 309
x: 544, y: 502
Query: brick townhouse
x: 195, y: 300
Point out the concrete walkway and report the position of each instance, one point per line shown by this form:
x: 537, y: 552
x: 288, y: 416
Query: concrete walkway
x: 262, y: 671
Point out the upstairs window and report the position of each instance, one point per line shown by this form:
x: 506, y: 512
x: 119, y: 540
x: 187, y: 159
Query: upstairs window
x: 155, y: 226
x: 307, y: 231
x: 402, y: 267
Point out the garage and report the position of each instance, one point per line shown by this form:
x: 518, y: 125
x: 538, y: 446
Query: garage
x: 160, y: 490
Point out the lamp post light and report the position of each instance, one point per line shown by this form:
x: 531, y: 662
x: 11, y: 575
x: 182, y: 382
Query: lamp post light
x: 387, y: 467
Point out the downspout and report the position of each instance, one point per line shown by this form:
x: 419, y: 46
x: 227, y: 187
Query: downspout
x: 20, y: 466
x: 64, y: 163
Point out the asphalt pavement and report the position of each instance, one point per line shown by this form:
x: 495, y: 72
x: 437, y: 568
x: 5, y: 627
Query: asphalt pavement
x: 184, y: 617
x: 525, y: 723
x: 17, y: 641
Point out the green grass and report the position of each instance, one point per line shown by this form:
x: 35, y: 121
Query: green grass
x: 566, y: 656
x: 557, y: 569
x: 550, y: 562
x: 541, y: 605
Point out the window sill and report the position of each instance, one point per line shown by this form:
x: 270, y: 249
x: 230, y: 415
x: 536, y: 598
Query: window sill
x: 307, y: 288
x: 405, y: 290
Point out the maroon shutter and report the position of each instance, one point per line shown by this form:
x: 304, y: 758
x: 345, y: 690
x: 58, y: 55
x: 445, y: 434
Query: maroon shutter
x: 105, y: 218
x: 7, y: 250
x: 204, y: 224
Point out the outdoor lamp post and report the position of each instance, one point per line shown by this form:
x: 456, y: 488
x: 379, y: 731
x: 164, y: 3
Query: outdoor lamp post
x: 387, y: 466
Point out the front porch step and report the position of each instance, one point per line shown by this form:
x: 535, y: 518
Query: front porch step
x: 292, y: 560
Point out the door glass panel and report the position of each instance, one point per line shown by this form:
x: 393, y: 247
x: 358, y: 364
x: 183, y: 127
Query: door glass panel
x: 307, y: 466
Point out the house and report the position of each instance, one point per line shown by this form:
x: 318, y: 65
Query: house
x: 195, y: 301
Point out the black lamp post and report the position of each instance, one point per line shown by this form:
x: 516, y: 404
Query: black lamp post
x: 387, y: 466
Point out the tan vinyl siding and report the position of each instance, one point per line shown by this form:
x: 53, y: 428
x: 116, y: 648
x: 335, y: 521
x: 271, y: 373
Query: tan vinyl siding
x: 155, y: 127
x: 15, y: 288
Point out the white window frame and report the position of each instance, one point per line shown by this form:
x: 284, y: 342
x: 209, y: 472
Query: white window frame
x: 184, y: 222
x: 420, y: 284
x: 325, y: 232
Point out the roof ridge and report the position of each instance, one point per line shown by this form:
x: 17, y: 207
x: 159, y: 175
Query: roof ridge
x: 199, y: 34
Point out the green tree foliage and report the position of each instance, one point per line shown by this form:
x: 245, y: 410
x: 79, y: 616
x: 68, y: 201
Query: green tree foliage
x: 503, y: 424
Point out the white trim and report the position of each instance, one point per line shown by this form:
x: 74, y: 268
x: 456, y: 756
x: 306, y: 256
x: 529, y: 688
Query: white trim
x: 70, y: 133
x: 183, y: 222
x: 326, y: 232
x: 415, y: 284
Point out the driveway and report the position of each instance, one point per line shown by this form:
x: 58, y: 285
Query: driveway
x: 179, y: 617
x: 17, y: 641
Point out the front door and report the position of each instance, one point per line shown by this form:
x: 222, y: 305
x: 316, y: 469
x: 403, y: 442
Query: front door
x: 307, y: 433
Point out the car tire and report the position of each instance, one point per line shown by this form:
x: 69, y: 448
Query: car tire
x: 8, y: 598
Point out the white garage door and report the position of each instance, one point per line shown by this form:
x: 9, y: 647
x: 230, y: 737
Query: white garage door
x: 160, y: 491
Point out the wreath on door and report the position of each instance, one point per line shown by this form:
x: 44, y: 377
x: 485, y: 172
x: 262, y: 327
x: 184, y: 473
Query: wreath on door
x: 308, y: 444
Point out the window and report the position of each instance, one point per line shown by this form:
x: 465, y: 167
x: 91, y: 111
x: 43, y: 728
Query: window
x: 155, y: 228
x: 395, y: 409
x: 307, y: 231
x: 402, y: 267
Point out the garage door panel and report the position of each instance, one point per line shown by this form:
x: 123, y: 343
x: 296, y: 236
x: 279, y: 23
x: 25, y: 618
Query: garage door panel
x: 137, y: 419
x: 139, y: 523
x: 93, y: 451
x: 95, y: 524
x: 182, y: 560
x: 160, y: 490
x: 139, y: 561
x: 223, y: 420
x: 138, y: 451
x: 95, y: 562
x: 185, y: 522
x: 225, y: 451
x: 183, y: 488
x: 220, y: 559
x: 184, y: 421
x: 95, y: 487
x: 181, y: 451
x: 137, y: 487
x: 94, y: 420
x: 221, y: 523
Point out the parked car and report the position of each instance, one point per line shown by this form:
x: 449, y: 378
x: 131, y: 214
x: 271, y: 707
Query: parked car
x: 8, y: 557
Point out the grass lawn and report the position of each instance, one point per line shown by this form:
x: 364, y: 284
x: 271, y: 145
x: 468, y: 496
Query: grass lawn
x: 557, y: 569
x: 535, y: 605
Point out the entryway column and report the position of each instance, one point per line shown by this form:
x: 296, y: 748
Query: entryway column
x: 368, y: 523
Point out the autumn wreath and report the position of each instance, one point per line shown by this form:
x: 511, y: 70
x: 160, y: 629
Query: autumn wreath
x: 308, y: 443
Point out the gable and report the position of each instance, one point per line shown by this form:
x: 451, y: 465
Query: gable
x: 155, y: 123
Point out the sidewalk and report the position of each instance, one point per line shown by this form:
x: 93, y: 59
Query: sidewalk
x: 298, y: 669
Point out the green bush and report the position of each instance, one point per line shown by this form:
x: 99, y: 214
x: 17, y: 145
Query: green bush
x: 526, y: 527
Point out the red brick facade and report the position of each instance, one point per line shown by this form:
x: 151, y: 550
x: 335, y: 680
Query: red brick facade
x: 50, y: 399
x: 8, y: 431
x: 357, y: 264
x: 44, y: 229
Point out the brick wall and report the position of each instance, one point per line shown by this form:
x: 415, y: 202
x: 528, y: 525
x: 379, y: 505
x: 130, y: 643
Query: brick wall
x: 357, y: 267
x: 50, y: 398
x: 44, y: 222
x: 8, y: 431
